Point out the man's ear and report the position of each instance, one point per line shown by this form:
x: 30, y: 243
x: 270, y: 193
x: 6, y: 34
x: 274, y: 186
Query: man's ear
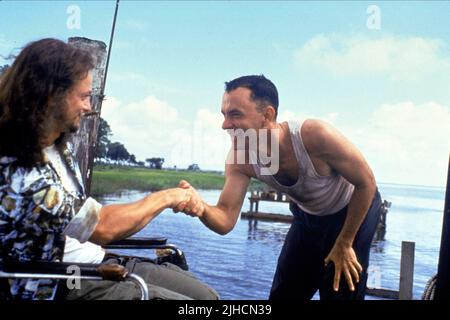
x: 269, y: 114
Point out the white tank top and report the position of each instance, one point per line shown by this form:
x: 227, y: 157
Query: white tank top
x: 313, y: 193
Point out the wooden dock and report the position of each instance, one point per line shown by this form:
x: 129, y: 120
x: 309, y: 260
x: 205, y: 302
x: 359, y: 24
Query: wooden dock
x: 257, y: 196
x: 254, y: 213
x: 265, y: 216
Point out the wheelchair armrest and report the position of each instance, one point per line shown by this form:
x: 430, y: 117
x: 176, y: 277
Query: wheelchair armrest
x: 136, y: 243
x: 60, y: 270
x: 106, y: 272
x: 177, y: 257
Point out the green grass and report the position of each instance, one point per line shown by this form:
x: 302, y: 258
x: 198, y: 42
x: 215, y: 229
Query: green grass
x: 112, y: 179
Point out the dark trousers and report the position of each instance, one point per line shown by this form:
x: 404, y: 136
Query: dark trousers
x: 301, y: 271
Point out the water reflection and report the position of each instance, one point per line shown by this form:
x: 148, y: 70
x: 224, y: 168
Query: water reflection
x: 267, y: 231
x: 378, y: 246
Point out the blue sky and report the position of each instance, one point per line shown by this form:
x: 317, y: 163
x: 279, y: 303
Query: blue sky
x: 386, y: 89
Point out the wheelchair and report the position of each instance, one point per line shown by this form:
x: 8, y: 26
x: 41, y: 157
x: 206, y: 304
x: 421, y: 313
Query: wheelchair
x: 60, y: 270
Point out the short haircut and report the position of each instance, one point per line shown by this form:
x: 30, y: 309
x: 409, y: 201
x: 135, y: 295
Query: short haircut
x: 263, y: 91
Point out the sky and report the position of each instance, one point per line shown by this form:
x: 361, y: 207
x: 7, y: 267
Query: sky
x: 378, y: 71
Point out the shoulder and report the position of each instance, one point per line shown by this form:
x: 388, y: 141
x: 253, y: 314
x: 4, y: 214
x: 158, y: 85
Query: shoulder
x: 317, y: 135
x: 315, y: 128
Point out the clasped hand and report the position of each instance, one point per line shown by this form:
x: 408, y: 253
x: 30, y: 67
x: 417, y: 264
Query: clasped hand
x: 193, y: 204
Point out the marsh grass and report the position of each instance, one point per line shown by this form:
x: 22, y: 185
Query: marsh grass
x: 112, y: 179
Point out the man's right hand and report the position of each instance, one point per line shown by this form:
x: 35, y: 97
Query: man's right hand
x: 195, y: 206
x: 176, y: 195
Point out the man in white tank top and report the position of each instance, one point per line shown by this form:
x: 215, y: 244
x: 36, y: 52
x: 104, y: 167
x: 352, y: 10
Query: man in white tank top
x: 336, y: 203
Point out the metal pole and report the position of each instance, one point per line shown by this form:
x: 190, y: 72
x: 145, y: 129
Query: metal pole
x: 443, y: 275
x: 110, y: 47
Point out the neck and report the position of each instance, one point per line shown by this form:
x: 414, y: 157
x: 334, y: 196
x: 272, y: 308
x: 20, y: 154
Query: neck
x: 276, y: 132
x: 51, y: 138
x: 284, y: 139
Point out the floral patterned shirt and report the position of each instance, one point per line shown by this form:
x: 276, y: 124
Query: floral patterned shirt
x: 34, y: 210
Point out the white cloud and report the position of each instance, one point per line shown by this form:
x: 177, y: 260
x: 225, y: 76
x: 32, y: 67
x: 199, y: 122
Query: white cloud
x: 144, y: 83
x: 153, y: 128
x: 205, y: 143
x: 405, y: 142
x: 398, y: 58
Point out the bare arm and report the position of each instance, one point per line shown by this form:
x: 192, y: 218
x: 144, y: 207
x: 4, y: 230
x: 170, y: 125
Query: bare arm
x: 330, y: 146
x: 118, y: 221
x: 222, y: 217
x: 342, y: 156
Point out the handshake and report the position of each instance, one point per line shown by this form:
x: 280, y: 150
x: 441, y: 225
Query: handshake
x: 190, y: 201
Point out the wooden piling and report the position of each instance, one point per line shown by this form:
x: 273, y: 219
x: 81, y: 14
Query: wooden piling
x: 84, y: 141
x: 406, y: 271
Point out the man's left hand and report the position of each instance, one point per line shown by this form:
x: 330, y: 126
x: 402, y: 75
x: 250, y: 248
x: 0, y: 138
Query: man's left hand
x: 345, y: 262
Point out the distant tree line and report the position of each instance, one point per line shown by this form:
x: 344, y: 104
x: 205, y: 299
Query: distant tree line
x: 105, y: 149
x: 116, y: 151
x: 155, y: 163
x: 3, y: 68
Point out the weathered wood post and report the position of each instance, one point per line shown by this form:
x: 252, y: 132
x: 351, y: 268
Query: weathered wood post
x: 443, y: 275
x: 405, y: 291
x: 85, y: 139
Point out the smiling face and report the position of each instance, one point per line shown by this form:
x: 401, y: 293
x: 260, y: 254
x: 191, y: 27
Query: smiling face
x: 240, y: 111
x: 78, y: 102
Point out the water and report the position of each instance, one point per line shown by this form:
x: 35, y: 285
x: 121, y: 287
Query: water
x: 241, y: 264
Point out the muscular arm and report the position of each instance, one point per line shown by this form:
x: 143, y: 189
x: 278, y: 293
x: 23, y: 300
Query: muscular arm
x: 222, y: 217
x: 118, y: 221
x: 331, y: 147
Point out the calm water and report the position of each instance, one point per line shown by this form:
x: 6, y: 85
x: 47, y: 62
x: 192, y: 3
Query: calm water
x: 241, y: 264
